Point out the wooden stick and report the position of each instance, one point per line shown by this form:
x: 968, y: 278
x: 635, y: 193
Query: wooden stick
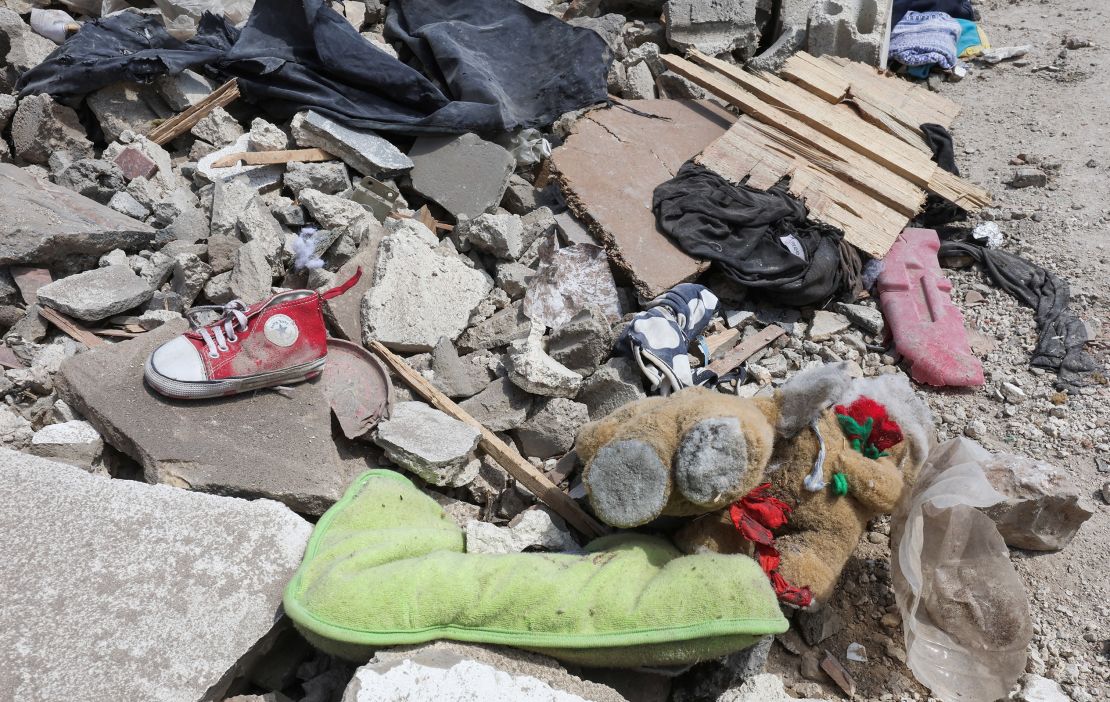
x: 179, y: 124
x: 255, y: 158
x: 524, y: 472
x: 70, y: 327
x: 746, y: 349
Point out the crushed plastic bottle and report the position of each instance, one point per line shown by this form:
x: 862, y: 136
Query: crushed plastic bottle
x: 963, y: 606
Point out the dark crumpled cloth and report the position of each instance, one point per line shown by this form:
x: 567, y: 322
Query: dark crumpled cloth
x: 488, y: 66
x: 960, y: 9
x: 742, y: 229
x: 1060, y: 334
x: 938, y: 211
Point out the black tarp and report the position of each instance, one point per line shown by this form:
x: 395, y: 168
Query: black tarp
x: 485, y: 66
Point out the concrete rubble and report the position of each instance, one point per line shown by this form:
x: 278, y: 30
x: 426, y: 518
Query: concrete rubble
x: 532, y: 528
x: 362, y: 150
x: 201, y: 575
x: 464, y: 174
x: 96, y: 294
x: 1042, y: 510
x: 430, y: 444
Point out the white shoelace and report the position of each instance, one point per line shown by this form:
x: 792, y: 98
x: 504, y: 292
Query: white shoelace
x: 216, y: 336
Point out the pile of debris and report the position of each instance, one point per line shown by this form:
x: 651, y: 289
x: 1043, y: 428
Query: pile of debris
x: 500, y: 266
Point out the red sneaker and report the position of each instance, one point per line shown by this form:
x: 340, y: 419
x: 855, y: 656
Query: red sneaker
x: 277, y: 341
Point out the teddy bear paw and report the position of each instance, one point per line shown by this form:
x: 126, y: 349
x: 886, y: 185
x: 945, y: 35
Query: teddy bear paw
x: 711, y: 461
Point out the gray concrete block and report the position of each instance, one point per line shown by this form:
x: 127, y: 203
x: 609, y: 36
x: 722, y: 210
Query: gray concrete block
x: 136, y: 591
x: 465, y: 174
x: 854, y: 29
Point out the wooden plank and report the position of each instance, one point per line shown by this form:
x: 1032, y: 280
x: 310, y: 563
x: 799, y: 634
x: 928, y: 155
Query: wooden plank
x: 523, y: 471
x: 958, y: 191
x: 816, y: 76
x: 890, y: 188
x: 848, y: 129
x: 116, y: 333
x: 746, y: 349
x: 70, y: 327
x: 918, y: 104
x: 255, y: 158
x: 183, y: 122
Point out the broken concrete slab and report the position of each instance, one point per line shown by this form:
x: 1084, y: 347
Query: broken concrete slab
x: 96, y: 179
x: 42, y: 128
x: 252, y: 274
x: 429, y: 443
x: 455, y: 672
x: 329, y: 177
x: 184, y: 585
x: 219, y: 128
x: 827, y: 324
x: 258, y: 177
x: 44, y: 222
x: 535, y: 528
x: 15, y: 430
x: 550, y: 431
x: 713, y: 27
x: 501, y: 406
x: 123, y: 107
x: 613, y: 385
x: 569, y: 280
x: 266, y: 137
x: 457, y: 377
x: 345, y: 311
x: 583, y: 342
x: 75, y: 442
x: 854, y: 29
x: 532, y: 370
x: 184, y: 90
x: 361, y: 149
x: 866, y: 318
x: 1043, y: 508
x: 514, y: 278
x: 96, y: 294
x: 281, y: 447
x: 465, y: 174
x: 23, y: 49
x: 608, y: 169
x: 501, y: 328
x: 421, y: 291
x: 501, y: 235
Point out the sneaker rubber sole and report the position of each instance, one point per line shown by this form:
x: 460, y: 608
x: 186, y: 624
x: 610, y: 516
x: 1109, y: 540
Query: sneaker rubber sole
x: 229, y: 386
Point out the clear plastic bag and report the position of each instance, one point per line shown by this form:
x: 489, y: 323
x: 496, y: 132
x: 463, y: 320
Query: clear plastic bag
x: 181, y: 16
x: 964, y: 607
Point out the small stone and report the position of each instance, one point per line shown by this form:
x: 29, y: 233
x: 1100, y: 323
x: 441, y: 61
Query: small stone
x: 190, y: 274
x: 455, y: 377
x: 817, y: 626
x: 891, y: 620
x: 613, y: 385
x: 264, y: 136
x: 513, y: 278
x: 125, y: 203
x: 535, y: 528
x: 974, y: 297
x: 827, y: 324
x: 1042, y: 510
x: 499, y: 234
x: 76, y: 443
x: 427, y: 442
x: 96, y: 294
x: 1028, y: 176
x: 1035, y: 688
x: 152, y: 319
x: 501, y: 406
x: 1012, y: 393
x: 133, y: 163
x: 329, y: 177
x: 362, y: 150
x: 856, y: 652
x: 42, y: 128
x: 218, y: 128
x: 866, y: 318
x: 96, y: 179
x: 184, y: 90
x: 534, y: 371
x: 552, y: 429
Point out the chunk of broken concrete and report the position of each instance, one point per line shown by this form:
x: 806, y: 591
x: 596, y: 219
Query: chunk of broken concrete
x: 532, y: 370
x: 329, y: 177
x: 96, y: 179
x: 184, y: 90
x: 613, y: 385
x: 44, y: 222
x: 421, y: 292
x: 75, y: 442
x: 534, y: 528
x: 257, y: 177
x: 264, y: 136
x: 15, y: 430
x: 96, y: 294
x: 618, y: 210
x: 186, y: 586
x: 866, y: 318
x: 499, y: 234
x: 465, y: 174
x: 711, y: 27
x: 361, y: 149
x: 345, y: 311
x: 454, y: 672
x: 501, y: 328
x: 429, y: 443
x: 583, y: 342
x: 454, y: 376
x: 219, y: 128
x: 1043, y: 509
x: 126, y: 106
x: 550, y: 431
x: 827, y: 324
x: 42, y: 128
x: 23, y: 49
x: 280, y: 448
x: 501, y: 406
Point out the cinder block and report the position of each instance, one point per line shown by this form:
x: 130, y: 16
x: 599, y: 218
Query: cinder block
x: 855, y: 29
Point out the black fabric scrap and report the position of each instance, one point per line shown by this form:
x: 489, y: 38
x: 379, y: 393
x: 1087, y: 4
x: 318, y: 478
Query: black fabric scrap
x: 1060, y: 334
x: 740, y: 230
x: 938, y: 211
x: 488, y: 66
x: 960, y: 9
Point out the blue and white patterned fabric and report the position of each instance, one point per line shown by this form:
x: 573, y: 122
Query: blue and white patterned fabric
x: 925, y: 38
x: 659, y: 338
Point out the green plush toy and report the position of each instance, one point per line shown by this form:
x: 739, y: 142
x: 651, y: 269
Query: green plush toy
x: 386, y: 566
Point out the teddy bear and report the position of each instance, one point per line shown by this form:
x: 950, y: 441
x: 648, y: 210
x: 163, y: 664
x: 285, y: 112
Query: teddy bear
x: 791, y: 478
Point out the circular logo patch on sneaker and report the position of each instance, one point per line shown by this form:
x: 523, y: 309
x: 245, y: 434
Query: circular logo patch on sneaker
x: 281, y: 330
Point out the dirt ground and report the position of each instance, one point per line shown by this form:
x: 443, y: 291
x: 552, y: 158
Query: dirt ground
x: 1053, y: 104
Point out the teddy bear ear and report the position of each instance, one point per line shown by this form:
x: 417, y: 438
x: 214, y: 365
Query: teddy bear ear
x: 627, y: 483
x: 808, y: 394
x: 711, y: 461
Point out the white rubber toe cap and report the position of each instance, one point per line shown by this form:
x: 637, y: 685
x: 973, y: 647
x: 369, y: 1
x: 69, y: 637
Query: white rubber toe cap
x: 179, y: 360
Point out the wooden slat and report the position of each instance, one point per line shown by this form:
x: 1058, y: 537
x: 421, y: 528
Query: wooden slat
x: 958, y: 191
x: 70, y: 327
x: 523, y: 471
x: 816, y: 76
x: 891, y: 189
x: 183, y: 122
x: 847, y: 129
x: 256, y: 158
x: 918, y: 104
x: 746, y: 349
